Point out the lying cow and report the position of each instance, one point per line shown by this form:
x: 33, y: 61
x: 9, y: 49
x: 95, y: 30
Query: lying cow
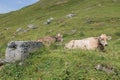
x: 90, y: 43
x: 51, y: 39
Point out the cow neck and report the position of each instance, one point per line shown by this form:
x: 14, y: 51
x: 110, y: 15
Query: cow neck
x: 54, y: 38
x: 100, y: 46
x: 98, y: 41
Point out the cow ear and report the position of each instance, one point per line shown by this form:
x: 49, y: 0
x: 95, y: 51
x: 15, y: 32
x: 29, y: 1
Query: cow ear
x: 109, y: 37
x: 102, y: 35
x: 59, y: 35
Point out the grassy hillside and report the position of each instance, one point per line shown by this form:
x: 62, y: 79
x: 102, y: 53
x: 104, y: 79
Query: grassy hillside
x: 93, y: 18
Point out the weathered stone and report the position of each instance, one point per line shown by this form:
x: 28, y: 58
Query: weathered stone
x: 6, y: 28
x: 70, y: 15
x: 104, y: 68
x: 3, y: 61
x: 19, y: 29
x: 19, y: 50
x: 49, y: 20
x: 31, y: 26
x: 73, y: 31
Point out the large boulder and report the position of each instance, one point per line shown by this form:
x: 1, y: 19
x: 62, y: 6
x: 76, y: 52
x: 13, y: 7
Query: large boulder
x: 19, y: 50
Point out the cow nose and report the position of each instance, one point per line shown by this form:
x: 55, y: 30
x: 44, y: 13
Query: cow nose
x: 106, y: 44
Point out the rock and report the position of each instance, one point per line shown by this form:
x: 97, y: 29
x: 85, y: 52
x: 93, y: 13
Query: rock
x: 3, y: 61
x: 49, y: 20
x: 73, y: 31
x: 21, y: 63
x: 70, y: 15
x: 31, y: 26
x: 14, y: 34
x: 19, y: 50
x: 6, y: 28
x: 98, y: 67
x: 104, y: 68
x: 19, y: 29
x: 24, y: 31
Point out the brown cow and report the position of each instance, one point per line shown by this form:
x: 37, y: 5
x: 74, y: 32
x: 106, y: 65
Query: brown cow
x: 51, y: 39
x: 90, y: 43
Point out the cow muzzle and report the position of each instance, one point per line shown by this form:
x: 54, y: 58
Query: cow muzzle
x: 106, y: 44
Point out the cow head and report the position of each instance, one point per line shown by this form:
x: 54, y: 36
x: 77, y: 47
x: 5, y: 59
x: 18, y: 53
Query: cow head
x: 103, y: 39
x: 59, y: 38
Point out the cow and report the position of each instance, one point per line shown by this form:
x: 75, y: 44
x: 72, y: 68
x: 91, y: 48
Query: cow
x: 48, y: 40
x: 91, y: 43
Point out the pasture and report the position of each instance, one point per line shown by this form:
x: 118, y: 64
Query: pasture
x: 56, y: 63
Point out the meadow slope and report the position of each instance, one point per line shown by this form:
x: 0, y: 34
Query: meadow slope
x: 93, y: 18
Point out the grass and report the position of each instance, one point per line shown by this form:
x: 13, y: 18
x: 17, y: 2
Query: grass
x: 61, y: 65
x: 56, y: 63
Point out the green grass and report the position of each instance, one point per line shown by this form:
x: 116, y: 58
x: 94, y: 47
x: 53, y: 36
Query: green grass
x: 56, y: 63
x: 62, y: 64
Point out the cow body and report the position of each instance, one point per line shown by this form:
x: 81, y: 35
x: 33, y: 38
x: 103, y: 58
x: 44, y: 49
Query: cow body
x: 48, y: 40
x: 90, y: 43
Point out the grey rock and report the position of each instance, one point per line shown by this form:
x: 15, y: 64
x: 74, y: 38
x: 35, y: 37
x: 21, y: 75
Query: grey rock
x: 49, y: 20
x: 25, y: 31
x: 19, y: 50
x: 19, y: 29
x: 6, y: 28
x: 104, y: 68
x: 73, y: 31
x: 98, y: 67
x: 3, y: 61
x: 70, y: 15
x: 31, y: 26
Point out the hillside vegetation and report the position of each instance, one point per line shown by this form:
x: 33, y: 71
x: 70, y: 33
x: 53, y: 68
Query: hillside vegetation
x: 93, y: 17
